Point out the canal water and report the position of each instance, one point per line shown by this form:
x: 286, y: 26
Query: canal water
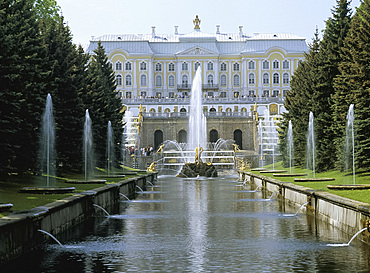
x: 201, y: 225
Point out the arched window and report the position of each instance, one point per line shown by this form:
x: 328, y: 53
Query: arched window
x: 128, y: 80
x: 119, y: 79
x: 275, y: 64
x: 158, y: 67
x: 213, y: 136
x: 210, y: 66
x: 118, y: 66
x: 266, y: 78
x: 184, y: 80
x: 251, y: 78
x: 128, y: 66
x: 223, y: 67
x: 158, y: 139
x: 158, y: 81
x: 196, y: 65
x: 276, y: 79
x: 210, y: 79
x: 143, y: 80
x: 236, y: 67
x: 236, y: 80
x: 183, y: 111
x: 184, y: 66
x: 183, y: 136
x: 171, y: 67
x: 143, y: 66
x: 266, y: 65
x: 251, y: 65
x: 238, y: 137
x: 223, y: 80
x: 171, y: 81
x: 286, y: 78
x: 286, y: 64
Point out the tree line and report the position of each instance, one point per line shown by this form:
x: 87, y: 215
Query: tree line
x: 334, y: 75
x: 37, y: 57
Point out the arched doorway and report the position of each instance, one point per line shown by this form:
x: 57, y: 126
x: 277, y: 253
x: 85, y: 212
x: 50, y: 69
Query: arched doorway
x: 238, y: 137
x: 158, y: 139
x: 213, y: 136
x: 183, y: 136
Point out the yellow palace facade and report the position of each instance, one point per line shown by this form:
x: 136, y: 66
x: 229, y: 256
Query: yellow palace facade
x: 240, y: 72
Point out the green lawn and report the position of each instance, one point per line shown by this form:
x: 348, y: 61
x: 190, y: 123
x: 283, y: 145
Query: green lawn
x: 9, y: 190
x: 340, y: 179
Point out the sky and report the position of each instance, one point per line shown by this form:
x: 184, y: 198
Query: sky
x: 88, y: 18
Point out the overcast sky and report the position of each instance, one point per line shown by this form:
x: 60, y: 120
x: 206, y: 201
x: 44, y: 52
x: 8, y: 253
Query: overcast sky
x: 88, y: 18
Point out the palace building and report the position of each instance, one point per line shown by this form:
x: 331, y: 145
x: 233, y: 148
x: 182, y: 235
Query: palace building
x: 241, y: 73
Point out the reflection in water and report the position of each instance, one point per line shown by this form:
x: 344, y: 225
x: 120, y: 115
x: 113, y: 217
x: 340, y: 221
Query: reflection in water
x: 201, y: 226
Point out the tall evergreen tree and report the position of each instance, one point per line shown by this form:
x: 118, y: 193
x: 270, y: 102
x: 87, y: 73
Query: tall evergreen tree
x: 102, y: 101
x: 353, y: 84
x: 22, y: 59
x: 65, y: 82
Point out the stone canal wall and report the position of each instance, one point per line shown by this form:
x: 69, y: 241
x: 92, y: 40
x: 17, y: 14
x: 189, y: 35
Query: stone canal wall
x: 19, y: 231
x: 343, y: 213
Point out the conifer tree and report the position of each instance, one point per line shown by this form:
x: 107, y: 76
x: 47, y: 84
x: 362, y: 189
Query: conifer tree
x: 22, y: 64
x: 353, y: 84
x: 102, y: 101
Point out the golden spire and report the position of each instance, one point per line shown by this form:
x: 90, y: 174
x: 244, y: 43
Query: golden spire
x: 196, y: 23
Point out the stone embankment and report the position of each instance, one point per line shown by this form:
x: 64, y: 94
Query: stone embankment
x: 19, y: 231
x: 345, y: 214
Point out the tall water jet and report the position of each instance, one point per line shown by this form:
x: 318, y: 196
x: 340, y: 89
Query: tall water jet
x: 110, y: 149
x: 197, y: 120
x: 290, y: 145
x: 310, y: 154
x: 260, y: 136
x: 350, y: 142
x: 88, y: 149
x: 47, y: 142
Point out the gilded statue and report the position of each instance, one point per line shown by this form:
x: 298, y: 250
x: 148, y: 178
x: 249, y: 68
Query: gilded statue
x: 160, y: 149
x: 196, y: 22
x: 198, y: 152
x: 236, y: 148
x: 151, y: 168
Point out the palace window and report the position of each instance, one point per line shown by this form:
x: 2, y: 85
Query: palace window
x: 210, y: 66
x: 118, y: 66
x: 158, y: 81
x: 251, y: 93
x: 143, y: 94
x: 158, y: 67
x: 128, y: 66
x: 223, y: 94
x: 286, y: 64
x: 143, y: 80
x: 171, y: 95
x: 223, y: 80
x: 286, y: 78
x: 128, y: 80
x: 266, y: 93
x: 236, y: 66
x: 184, y: 67
x: 171, y: 81
x: 223, y: 67
x: 196, y: 65
x: 184, y: 79
x: 275, y: 64
x: 128, y: 95
x: 251, y: 78
x: 236, y: 80
x: 119, y: 79
x: 266, y: 65
x: 266, y: 78
x: 143, y: 66
x: 171, y: 67
x: 210, y: 79
x: 275, y: 93
x: 251, y: 65
x: 276, y: 79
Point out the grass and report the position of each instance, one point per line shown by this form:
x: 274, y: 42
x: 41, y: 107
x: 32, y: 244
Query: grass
x: 9, y: 190
x: 341, y: 178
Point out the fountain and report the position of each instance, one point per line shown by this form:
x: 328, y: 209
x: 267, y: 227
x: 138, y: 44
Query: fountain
x: 353, y: 237
x: 290, y: 145
x: 51, y: 236
x: 97, y: 206
x: 310, y: 155
x: 128, y: 199
x: 88, y: 155
x: 47, y: 158
x: 110, y: 149
x: 137, y: 186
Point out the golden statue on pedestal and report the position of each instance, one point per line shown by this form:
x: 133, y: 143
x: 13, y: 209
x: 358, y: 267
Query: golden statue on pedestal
x: 151, y: 168
x: 198, y: 152
x: 236, y: 148
x: 196, y: 23
x: 160, y: 149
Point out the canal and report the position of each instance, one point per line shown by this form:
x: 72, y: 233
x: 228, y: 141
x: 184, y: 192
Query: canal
x: 201, y: 225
